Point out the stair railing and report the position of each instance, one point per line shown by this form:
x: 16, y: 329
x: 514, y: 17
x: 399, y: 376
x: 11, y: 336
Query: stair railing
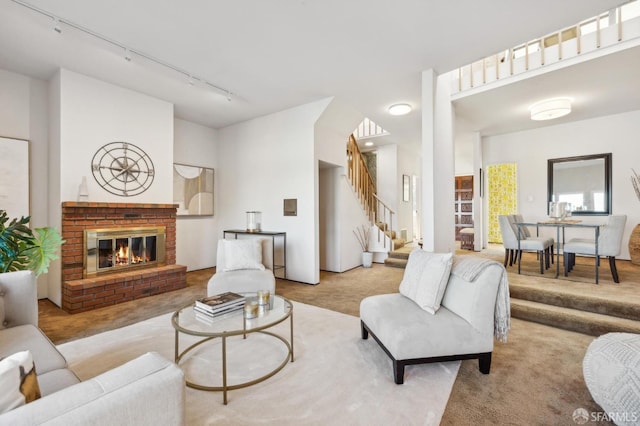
x: 377, y: 211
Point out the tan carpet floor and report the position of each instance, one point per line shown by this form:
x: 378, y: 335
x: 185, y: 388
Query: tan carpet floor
x: 536, y: 377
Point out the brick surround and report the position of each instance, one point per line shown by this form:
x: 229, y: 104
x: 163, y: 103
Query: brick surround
x: 82, y: 294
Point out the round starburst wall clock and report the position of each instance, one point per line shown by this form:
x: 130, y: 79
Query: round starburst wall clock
x: 123, y: 169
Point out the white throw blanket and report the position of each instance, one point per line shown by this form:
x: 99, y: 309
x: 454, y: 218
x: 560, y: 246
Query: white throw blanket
x: 468, y: 268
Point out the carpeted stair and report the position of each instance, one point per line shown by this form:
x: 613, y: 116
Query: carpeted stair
x: 398, y: 243
x: 398, y: 258
x: 568, y: 310
x: 582, y: 313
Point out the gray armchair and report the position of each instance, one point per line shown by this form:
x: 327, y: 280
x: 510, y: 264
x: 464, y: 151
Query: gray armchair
x: 609, y: 243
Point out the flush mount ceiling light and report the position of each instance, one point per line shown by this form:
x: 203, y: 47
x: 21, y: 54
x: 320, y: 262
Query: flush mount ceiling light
x: 368, y: 143
x: 399, y: 109
x: 550, y: 109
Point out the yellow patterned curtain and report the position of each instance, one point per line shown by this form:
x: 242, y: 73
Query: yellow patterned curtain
x: 503, y: 196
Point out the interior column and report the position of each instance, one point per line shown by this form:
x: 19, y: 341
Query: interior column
x: 438, y: 171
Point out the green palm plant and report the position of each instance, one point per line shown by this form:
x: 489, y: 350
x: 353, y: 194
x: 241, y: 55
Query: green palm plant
x: 22, y: 249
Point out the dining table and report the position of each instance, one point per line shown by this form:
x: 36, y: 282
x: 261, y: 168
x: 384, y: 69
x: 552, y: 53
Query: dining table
x: 561, y: 225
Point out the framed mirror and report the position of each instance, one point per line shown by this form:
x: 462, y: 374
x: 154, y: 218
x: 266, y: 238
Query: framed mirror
x: 584, y: 182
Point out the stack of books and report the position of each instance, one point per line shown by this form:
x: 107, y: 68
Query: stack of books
x: 219, y: 304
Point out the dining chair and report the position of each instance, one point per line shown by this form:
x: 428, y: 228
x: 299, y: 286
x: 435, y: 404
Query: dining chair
x: 525, y: 233
x: 510, y: 243
x: 609, y: 243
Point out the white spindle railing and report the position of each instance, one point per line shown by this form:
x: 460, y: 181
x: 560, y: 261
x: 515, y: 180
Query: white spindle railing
x: 602, y: 30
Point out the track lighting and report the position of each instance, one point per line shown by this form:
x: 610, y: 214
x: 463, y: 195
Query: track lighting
x: 56, y: 25
x: 127, y: 51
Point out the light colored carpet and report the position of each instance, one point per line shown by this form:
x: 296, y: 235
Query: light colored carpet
x: 333, y: 368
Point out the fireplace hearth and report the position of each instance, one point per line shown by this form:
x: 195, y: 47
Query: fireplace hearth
x: 117, y: 252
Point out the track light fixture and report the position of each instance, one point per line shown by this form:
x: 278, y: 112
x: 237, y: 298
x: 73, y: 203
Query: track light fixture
x: 56, y: 25
x: 127, y: 51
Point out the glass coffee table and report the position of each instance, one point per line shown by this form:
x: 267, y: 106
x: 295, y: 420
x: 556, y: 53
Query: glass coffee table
x: 189, y: 321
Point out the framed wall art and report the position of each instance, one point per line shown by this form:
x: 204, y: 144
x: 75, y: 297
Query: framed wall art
x: 14, y: 177
x: 193, y: 190
x: 406, y: 187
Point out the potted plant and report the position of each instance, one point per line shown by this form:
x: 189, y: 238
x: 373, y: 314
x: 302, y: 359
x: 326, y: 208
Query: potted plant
x: 22, y: 249
x: 362, y: 235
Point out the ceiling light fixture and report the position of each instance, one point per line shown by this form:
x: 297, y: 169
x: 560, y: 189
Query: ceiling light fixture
x: 128, y: 52
x: 368, y: 143
x: 399, y: 109
x: 550, y: 109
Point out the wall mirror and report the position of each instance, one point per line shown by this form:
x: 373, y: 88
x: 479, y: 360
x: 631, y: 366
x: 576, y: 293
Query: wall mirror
x: 584, y: 182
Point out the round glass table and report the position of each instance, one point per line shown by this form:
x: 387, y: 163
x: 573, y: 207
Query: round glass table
x: 189, y: 321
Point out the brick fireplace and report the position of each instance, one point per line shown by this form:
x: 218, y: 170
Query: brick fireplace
x: 81, y: 292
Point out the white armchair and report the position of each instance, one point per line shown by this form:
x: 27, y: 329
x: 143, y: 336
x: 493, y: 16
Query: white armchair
x: 243, y: 266
x: 609, y: 243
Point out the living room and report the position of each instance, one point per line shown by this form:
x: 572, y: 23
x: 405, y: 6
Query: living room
x: 258, y: 162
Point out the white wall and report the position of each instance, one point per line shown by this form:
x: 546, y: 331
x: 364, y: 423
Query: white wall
x: 339, y: 210
x: 265, y: 160
x: 23, y: 115
x: 196, y: 237
x: 389, y: 180
x: 408, y: 164
x: 85, y: 114
x: 94, y: 113
x: 617, y: 134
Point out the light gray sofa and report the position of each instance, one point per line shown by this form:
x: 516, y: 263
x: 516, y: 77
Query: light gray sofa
x: 149, y: 390
x: 462, y: 328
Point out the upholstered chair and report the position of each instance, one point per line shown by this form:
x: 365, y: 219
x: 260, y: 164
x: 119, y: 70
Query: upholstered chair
x: 510, y: 242
x: 243, y: 266
x: 609, y: 243
x: 526, y: 233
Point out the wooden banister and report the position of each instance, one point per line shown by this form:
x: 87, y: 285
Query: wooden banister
x: 377, y: 211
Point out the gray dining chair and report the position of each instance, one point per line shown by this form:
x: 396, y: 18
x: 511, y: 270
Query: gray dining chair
x: 526, y: 233
x: 609, y: 243
x: 510, y: 243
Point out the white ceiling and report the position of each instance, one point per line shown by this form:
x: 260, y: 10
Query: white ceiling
x: 277, y: 54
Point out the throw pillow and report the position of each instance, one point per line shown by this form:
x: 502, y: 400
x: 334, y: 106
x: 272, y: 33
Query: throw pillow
x: 425, y: 278
x: 243, y: 254
x: 18, y: 381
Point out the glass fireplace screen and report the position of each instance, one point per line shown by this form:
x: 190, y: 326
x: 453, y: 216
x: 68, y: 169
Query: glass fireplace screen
x: 112, y: 250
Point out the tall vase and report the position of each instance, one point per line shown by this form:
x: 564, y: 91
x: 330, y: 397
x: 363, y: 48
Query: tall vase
x: 634, y: 245
x: 367, y: 259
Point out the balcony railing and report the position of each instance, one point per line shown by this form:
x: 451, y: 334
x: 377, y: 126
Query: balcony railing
x: 606, y: 29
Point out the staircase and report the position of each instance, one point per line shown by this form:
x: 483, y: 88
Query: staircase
x: 377, y: 211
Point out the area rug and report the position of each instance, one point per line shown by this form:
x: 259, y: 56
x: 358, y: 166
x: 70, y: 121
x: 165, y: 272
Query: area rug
x: 336, y: 377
